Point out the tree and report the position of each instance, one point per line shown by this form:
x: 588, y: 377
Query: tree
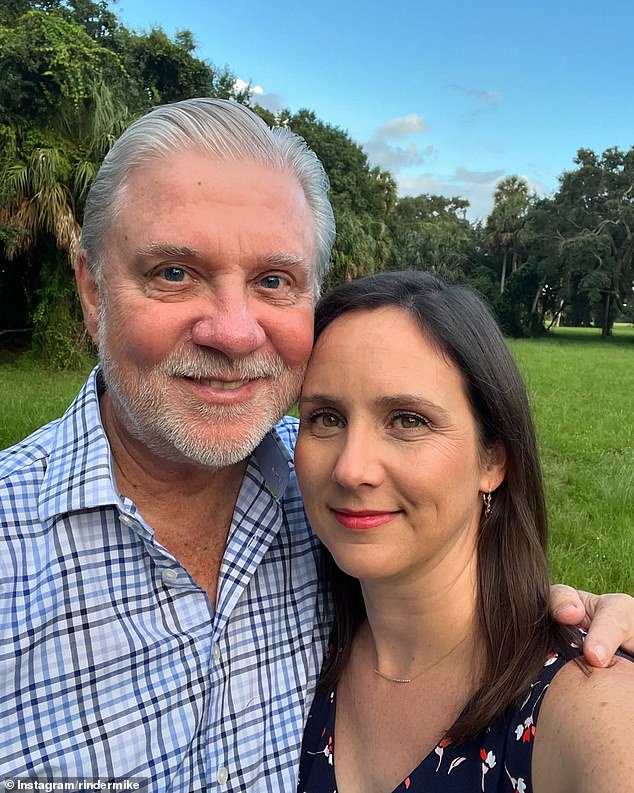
x: 505, y: 225
x: 362, y: 197
x: 166, y: 70
x: 431, y: 233
x: 595, y: 206
x: 73, y: 79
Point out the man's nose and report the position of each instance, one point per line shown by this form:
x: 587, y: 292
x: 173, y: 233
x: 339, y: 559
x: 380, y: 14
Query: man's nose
x: 228, y: 323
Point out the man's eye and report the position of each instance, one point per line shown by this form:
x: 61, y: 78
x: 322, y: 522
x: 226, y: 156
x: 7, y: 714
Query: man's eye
x: 173, y: 274
x: 272, y: 282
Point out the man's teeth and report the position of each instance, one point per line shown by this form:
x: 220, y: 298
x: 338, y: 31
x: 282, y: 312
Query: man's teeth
x: 224, y: 385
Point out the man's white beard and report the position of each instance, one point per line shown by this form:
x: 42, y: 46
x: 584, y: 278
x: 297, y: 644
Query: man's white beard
x: 144, y: 402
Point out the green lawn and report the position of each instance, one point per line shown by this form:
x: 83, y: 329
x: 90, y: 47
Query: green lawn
x: 581, y: 389
x: 31, y: 395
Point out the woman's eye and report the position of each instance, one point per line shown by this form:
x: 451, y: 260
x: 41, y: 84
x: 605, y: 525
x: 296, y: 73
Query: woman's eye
x: 409, y: 421
x: 326, y: 420
x: 174, y: 275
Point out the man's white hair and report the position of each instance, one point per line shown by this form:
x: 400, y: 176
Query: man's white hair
x: 224, y: 129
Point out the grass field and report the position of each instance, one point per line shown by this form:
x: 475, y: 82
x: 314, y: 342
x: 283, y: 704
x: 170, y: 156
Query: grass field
x: 581, y: 389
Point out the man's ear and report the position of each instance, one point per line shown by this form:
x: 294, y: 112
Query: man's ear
x: 494, y: 469
x: 88, y: 295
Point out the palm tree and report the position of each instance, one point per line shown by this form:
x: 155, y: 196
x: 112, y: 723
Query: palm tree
x: 45, y: 176
x: 506, y: 223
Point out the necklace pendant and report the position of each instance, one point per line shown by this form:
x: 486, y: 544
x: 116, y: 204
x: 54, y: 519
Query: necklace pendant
x: 392, y: 679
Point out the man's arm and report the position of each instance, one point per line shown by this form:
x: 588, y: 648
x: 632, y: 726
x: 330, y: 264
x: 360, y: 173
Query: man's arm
x: 609, y: 620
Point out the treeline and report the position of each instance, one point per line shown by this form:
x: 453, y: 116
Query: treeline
x: 72, y: 77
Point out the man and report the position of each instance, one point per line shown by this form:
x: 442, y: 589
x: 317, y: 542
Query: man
x: 162, y: 614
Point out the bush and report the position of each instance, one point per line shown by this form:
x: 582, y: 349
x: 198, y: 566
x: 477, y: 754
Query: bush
x: 59, y: 337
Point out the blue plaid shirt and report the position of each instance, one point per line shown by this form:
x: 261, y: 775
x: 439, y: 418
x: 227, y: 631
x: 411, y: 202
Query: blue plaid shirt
x: 113, y: 663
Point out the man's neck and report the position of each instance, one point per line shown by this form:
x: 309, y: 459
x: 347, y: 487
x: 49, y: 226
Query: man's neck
x: 188, y: 506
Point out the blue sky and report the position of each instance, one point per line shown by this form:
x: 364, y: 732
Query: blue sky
x: 449, y: 96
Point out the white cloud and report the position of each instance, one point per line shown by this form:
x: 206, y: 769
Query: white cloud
x: 402, y: 127
x: 269, y: 101
x: 382, y: 150
x: 395, y: 158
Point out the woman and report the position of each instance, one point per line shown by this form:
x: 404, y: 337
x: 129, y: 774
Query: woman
x: 420, y: 474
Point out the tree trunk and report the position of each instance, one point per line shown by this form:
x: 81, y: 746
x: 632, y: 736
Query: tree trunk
x: 503, y: 278
x: 605, y: 329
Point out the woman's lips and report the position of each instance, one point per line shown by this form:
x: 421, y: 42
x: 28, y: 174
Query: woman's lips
x: 362, y: 520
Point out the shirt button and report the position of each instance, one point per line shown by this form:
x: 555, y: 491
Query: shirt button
x: 216, y: 652
x: 222, y: 776
x: 126, y: 520
x: 170, y: 575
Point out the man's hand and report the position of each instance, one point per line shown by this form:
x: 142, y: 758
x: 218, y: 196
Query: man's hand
x: 609, y: 620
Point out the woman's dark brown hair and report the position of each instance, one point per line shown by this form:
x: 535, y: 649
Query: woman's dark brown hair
x: 514, y: 625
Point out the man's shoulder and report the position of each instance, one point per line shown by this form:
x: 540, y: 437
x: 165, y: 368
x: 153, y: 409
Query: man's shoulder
x: 28, y: 459
x: 29, y: 454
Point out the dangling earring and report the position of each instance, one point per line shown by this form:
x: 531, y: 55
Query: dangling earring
x: 486, y: 498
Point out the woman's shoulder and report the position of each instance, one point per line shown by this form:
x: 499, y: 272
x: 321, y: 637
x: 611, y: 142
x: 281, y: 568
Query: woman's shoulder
x: 586, y: 730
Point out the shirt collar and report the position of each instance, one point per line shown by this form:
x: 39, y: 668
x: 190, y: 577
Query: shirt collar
x: 79, y: 473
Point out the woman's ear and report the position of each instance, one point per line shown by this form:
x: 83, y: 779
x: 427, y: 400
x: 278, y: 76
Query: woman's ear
x: 494, y: 468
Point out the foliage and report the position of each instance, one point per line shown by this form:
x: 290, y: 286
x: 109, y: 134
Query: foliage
x: 505, y: 228
x: 362, y: 198
x: 72, y: 79
x: 59, y: 337
x: 430, y: 232
x: 46, y: 60
x: 595, y: 206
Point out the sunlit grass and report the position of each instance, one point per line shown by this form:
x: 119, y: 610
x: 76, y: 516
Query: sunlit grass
x: 31, y: 395
x: 581, y: 390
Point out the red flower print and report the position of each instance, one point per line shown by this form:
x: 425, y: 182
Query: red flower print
x: 525, y: 731
x: 440, y: 749
x: 407, y: 783
x: 488, y: 762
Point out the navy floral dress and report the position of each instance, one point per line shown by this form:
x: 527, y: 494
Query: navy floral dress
x: 498, y: 760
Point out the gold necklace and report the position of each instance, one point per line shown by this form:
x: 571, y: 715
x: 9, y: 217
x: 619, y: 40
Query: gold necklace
x: 422, y: 671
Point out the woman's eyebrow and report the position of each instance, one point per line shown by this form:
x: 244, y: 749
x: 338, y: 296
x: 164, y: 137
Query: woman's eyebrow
x: 321, y: 399
x: 403, y: 401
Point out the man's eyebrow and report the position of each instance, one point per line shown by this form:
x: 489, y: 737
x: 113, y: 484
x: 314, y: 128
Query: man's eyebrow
x: 284, y: 260
x: 169, y: 251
